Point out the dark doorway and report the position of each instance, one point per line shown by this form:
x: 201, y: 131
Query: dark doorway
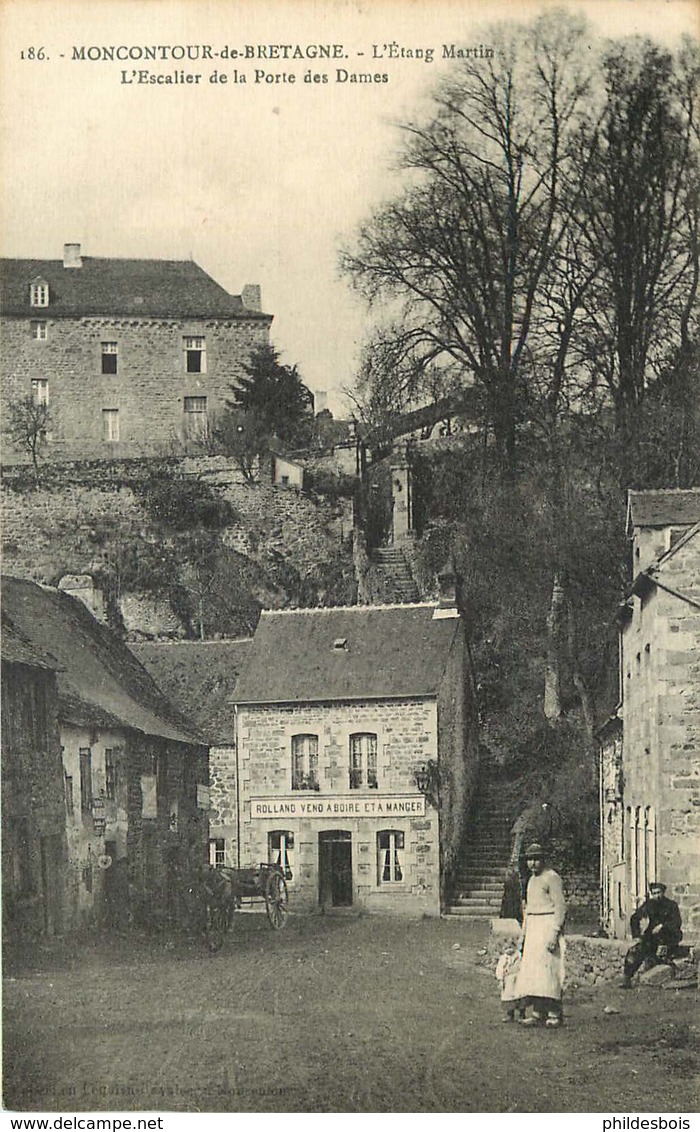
x: 335, y: 868
x: 50, y: 849
x: 116, y: 886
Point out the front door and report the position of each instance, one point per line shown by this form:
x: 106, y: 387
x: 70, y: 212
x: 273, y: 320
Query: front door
x: 50, y: 848
x: 335, y: 868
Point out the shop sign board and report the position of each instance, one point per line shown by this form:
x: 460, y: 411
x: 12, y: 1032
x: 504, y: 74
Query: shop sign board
x: 338, y: 806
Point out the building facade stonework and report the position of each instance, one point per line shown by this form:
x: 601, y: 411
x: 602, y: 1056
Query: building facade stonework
x: 347, y: 841
x: 132, y: 357
x: 650, y: 773
x: 356, y: 738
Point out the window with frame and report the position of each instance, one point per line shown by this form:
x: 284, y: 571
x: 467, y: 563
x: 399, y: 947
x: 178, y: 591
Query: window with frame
x: 39, y: 294
x: 390, y: 846
x: 363, y: 761
x: 39, y: 330
x: 110, y: 354
x: 68, y: 791
x: 85, y: 756
x: 110, y: 425
x: 217, y: 852
x: 195, y: 354
x: 305, y: 762
x: 280, y: 845
x: 111, y: 773
x: 195, y: 410
x: 40, y: 390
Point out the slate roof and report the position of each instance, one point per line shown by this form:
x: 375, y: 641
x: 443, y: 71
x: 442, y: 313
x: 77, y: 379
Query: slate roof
x: 99, y: 679
x: 391, y: 652
x: 15, y: 649
x: 118, y: 287
x: 200, y: 678
x: 664, y: 508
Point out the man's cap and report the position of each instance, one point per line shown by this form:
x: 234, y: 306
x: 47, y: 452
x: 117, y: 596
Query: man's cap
x: 534, y: 850
x: 657, y: 885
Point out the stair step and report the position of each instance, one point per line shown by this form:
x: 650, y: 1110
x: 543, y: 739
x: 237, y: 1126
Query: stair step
x: 490, y: 878
x: 487, y: 911
x: 470, y: 918
x: 469, y: 899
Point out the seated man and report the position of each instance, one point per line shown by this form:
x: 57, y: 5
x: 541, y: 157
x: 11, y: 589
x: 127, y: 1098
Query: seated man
x: 661, y: 936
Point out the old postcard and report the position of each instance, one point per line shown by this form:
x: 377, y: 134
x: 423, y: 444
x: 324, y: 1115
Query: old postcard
x: 350, y: 419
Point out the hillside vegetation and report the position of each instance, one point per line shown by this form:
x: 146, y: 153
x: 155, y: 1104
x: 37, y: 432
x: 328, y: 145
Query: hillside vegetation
x: 174, y: 554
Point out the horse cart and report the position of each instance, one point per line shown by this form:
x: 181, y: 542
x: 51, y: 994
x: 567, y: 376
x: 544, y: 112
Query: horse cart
x: 222, y: 891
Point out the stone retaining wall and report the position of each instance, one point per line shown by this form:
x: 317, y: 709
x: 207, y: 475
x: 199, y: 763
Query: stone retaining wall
x: 590, y: 960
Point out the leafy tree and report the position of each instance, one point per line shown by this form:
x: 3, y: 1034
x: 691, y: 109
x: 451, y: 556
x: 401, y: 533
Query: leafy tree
x: 26, y: 425
x: 276, y: 397
x: 270, y: 402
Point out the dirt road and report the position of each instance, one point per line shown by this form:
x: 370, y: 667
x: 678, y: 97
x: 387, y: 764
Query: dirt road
x: 333, y: 1014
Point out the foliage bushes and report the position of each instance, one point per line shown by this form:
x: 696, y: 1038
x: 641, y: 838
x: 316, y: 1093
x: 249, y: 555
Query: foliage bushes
x: 184, y: 503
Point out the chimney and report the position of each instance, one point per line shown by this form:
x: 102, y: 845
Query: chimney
x: 72, y: 256
x: 251, y: 297
x: 450, y: 602
x: 82, y: 587
x: 320, y: 401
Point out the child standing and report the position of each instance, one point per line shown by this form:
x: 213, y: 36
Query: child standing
x: 507, y: 975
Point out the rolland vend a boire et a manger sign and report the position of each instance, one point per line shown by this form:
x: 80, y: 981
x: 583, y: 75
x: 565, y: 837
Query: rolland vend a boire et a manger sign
x: 398, y: 805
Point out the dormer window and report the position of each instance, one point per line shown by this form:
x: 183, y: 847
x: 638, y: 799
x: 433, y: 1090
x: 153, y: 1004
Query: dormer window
x: 340, y: 644
x: 39, y: 293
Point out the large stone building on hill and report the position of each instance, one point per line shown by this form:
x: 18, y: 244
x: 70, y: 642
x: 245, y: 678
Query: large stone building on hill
x: 134, y: 357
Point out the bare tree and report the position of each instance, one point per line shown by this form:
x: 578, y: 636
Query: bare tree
x: 469, y: 251
x: 26, y: 425
x: 639, y: 220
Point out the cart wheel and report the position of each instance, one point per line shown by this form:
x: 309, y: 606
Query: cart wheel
x: 276, y: 900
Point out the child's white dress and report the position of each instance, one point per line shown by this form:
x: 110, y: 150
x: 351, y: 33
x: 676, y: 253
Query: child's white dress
x: 507, y: 974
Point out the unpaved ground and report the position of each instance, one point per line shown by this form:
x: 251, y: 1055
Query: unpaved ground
x: 333, y: 1014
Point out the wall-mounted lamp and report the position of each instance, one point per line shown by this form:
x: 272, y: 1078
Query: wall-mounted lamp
x: 427, y: 779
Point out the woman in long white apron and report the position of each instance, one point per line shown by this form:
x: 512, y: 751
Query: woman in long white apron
x: 541, y: 974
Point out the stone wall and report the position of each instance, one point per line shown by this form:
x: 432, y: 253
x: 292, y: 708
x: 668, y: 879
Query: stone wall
x: 458, y: 740
x: 86, y: 880
x: 590, y: 961
x: 661, y: 744
x: 164, y: 849
x: 224, y: 793
x: 406, y: 738
x: 56, y: 529
x: 148, y: 390
x: 33, y: 804
x: 82, y: 518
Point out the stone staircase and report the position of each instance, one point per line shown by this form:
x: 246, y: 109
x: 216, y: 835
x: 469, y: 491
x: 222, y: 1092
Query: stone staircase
x: 484, y: 860
x: 398, y: 580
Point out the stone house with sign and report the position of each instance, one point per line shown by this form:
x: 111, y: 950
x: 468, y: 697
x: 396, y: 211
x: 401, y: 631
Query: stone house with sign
x: 357, y: 752
x: 134, y: 778
x: 134, y: 357
x: 650, y: 748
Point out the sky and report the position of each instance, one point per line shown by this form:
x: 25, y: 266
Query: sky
x: 258, y: 182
